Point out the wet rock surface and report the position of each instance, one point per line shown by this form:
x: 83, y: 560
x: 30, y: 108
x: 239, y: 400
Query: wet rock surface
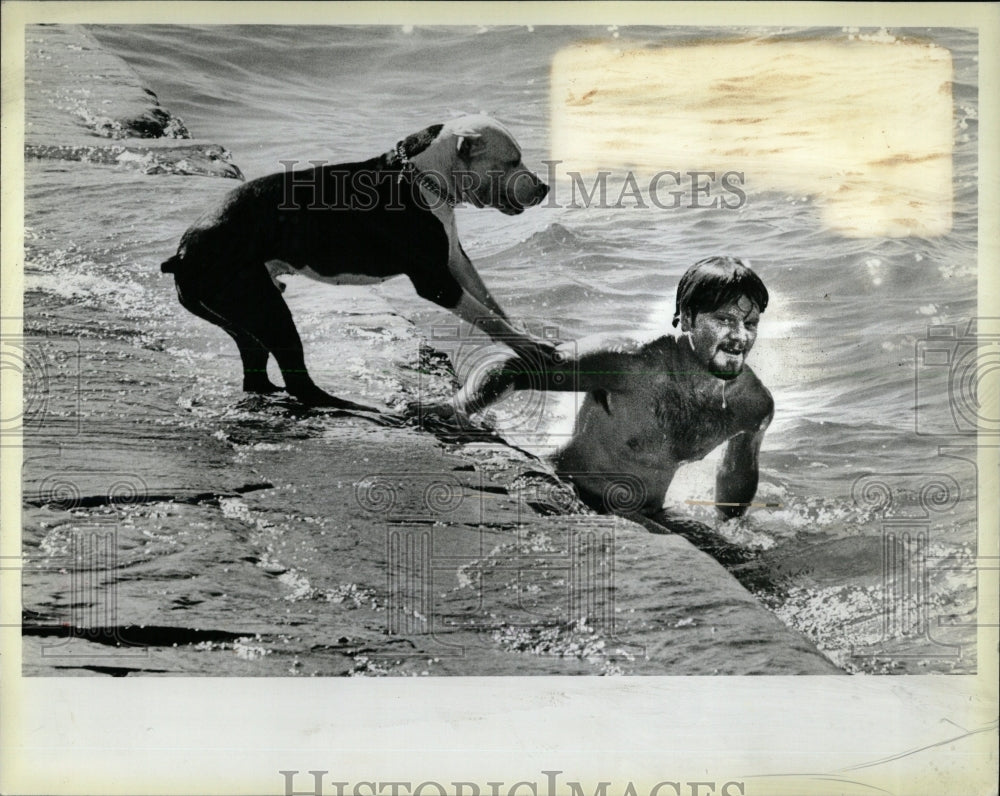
x: 174, y: 526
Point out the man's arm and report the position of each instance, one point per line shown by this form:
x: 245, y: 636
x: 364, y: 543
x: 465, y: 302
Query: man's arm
x: 736, y: 479
x: 598, y: 370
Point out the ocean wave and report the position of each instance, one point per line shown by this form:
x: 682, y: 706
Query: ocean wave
x: 555, y: 237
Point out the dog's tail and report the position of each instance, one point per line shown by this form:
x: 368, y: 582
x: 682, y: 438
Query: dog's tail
x: 170, y: 266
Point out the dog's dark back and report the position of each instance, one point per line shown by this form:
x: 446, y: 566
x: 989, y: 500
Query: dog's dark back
x: 367, y: 217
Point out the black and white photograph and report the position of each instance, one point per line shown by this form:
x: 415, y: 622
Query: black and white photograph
x: 494, y: 347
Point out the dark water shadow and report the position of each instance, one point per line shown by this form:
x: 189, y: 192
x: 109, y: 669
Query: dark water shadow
x: 751, y: 567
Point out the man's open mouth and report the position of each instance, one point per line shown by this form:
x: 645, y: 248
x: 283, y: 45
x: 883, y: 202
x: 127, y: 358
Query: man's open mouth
x: 732, y: 349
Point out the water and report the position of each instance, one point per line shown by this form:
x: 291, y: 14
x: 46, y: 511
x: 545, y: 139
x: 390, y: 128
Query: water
x: 839, y: 346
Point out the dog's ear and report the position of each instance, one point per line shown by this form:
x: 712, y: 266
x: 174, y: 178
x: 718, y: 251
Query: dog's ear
x: 413, y: 145
x: 469, y: 145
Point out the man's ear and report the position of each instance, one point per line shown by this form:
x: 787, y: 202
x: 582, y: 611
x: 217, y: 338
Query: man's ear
x: 469, y: 145
x: 687, y: 321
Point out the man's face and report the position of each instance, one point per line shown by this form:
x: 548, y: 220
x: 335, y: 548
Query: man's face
x: 722, y: 338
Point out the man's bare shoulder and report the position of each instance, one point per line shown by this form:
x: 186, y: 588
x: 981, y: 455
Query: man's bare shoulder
x: 625, y: 344
x: 621, y: 353
x: 613, y: 361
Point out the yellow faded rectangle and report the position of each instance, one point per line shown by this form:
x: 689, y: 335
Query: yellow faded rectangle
x: 864, y: 126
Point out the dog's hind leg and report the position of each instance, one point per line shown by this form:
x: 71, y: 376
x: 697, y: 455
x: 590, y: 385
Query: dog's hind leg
x: 252, y: 311
x: 252, y: 353
x: 254, y: 357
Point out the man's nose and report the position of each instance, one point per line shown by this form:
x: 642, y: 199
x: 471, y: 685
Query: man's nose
x: 738, y: 331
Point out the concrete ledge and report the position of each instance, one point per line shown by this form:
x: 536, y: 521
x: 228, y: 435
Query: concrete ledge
x: 151, y: 157
x: 334, y: 546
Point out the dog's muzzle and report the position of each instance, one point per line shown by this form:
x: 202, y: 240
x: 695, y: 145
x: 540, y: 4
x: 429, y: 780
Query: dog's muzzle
x: 523, y: 194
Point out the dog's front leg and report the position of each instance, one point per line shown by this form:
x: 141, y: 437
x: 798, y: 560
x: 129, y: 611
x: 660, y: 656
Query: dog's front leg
x: 465, y: 273
x: 475, y: 312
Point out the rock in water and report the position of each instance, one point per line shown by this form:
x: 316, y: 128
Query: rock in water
x: 87, y: 105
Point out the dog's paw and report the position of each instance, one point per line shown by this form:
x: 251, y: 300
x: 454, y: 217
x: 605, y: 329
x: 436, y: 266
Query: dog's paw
x: 551, y: 350
x: 312, y: 396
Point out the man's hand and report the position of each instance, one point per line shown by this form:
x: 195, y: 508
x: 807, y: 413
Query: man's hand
x: 444, y: 413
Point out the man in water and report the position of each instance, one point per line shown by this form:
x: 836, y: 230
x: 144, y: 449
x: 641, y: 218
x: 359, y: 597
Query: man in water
x: 653, y: 407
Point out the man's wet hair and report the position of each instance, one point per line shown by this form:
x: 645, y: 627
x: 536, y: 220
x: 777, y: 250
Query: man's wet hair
x: 715, y: 281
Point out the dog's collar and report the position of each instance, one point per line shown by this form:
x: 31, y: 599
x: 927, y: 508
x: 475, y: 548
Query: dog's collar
x: 398, y: 155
